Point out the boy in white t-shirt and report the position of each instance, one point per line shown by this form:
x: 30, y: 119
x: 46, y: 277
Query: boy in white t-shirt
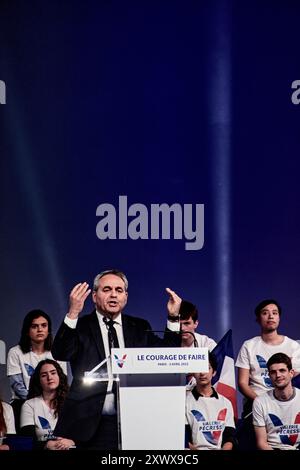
x: 276, y: 414
x: 209, y: 415
x: 188, y: 324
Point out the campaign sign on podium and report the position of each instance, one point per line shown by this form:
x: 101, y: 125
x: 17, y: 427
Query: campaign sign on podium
x: 152, y: 394
x: 159, y: 361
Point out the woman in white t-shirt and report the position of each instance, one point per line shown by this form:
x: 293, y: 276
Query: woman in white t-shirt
x: 47, y: 391
x: 34, y: 346
x: 7, y: 423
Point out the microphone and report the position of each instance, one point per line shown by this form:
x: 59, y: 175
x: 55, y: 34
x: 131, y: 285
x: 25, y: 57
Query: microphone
x: 195, y: 342
x: 91, y: 376
x: 106, y: 321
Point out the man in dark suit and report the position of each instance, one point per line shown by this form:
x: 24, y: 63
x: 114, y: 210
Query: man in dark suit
x: 89, y: 412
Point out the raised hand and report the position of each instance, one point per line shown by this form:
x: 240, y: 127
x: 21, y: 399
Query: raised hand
x: 78, y: 296
x: 174, y: 303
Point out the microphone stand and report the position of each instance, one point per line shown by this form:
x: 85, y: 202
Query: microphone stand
x: 91, y: 376
x: 195, y: 342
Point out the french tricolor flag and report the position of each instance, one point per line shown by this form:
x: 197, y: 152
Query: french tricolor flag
x: 224, y: 380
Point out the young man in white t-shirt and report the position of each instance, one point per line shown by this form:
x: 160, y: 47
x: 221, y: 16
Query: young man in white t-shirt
x: 188, y: 318
x: 188, y: 324
x: 276, y: 414
x: 253, y: 376
x: 209, y: 415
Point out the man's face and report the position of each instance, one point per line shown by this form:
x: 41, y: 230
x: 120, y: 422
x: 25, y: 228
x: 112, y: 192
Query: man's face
x: 38, y: 330
x: 280, y: 375
x: 205, y: 378
x: 187, y: 326
x: 269, y: 318
x: 110, y: 297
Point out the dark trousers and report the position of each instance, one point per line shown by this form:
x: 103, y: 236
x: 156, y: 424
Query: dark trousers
x: 245, y: 429
x: 106, y: 436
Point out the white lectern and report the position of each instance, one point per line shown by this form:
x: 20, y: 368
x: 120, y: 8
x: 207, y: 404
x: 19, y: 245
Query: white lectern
x: 152, y: 394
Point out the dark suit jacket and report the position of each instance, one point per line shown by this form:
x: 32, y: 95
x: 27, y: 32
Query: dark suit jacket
x: 83, y: 347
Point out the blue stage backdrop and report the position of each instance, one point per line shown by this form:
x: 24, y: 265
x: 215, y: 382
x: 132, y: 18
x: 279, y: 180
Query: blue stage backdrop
x: 158, y: 137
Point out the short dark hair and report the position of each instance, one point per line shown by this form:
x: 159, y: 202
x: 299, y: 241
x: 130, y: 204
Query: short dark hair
x: 187, y: 310
x: 213, y: 361
x: 280, y: 358
x: 264, y: 303
x: 25, y: 341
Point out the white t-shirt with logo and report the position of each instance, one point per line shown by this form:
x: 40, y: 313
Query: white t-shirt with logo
x: 35, y: 412
x: 207, y: 418
x: 205, y: 342
x: 280, y: 418
x: 25, y: 363
x: 254, y: 355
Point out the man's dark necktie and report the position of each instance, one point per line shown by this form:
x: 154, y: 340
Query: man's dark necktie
x: 112, y: 335
x: 113, y: 343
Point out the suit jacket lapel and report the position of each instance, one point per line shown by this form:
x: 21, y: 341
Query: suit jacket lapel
x: 96, y: 334
x: 128, y: 332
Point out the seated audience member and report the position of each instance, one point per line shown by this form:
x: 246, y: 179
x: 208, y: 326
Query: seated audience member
x: 188, y: 318
x: 188, y: 324
x: 276, y: 412
x: 7, y: 423
x: 34, y: 346
x: 253, y: 376
x: 209, y: 415
x: 47, y: 391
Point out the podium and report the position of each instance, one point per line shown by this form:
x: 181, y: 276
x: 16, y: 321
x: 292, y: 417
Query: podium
x: 151, y: 388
